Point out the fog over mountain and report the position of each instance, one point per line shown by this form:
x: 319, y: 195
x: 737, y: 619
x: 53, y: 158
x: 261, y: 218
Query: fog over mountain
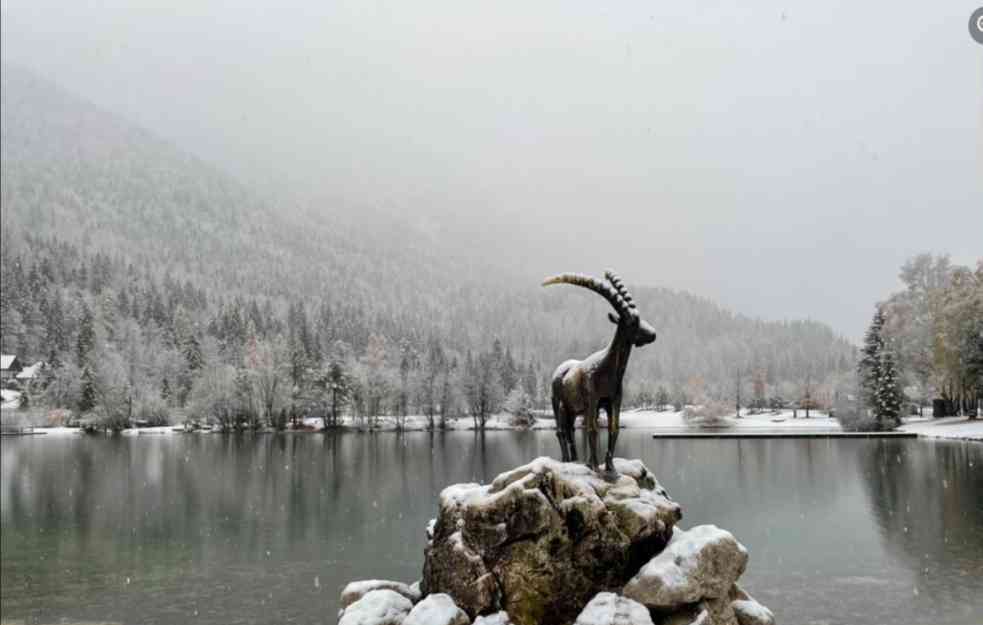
x: 119, y: 242
x: 752, y: 153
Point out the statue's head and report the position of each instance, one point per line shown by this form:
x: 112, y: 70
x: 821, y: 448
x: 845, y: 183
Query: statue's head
x: 638, y: 331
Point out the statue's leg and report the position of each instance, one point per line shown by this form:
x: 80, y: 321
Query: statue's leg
x: 590, y: 422
x: 614, y: 425
x: 562, y: 437
x: 571, y: 421
x: 558, y: 416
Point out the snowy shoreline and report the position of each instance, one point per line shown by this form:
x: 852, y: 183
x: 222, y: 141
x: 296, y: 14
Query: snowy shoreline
x: 951, y: 428
x: 956, y: 428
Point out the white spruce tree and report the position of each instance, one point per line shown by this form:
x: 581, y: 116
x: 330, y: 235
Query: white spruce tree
x: 869, y: 367
x: 888, y: 396
x: 878, y: 373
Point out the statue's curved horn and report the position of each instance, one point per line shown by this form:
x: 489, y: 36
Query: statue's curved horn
x: 622, y: 290
x: 621, y: 305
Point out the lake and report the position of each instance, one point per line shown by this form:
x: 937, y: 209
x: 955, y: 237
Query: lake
x: 256, y: 529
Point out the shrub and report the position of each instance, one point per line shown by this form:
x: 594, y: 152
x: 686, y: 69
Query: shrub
x: 709, y: 414
x: 526, y: 420
x: 856, y: 421
x: 519, y: 405
x: 153, y: 411
x: 853, y: 417
x: 58, y: 417
x: 214, y: 397
x: 113, y: 412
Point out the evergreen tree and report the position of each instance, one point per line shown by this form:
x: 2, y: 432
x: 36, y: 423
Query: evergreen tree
x: 195, y: 361
x: 87, y: 392
x: 192, y: 353
x: 86, y: 336
x: 339, y: 385
x: 529, y: 381
x: 54, y: 331
x: 888, y: 396
x: 508, y: 372
x: 879, y: 383
x: 298, y: 341
x: 869, y: 367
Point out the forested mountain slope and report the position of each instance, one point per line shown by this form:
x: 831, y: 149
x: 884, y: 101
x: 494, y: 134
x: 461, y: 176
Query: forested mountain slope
x: 177, y: 265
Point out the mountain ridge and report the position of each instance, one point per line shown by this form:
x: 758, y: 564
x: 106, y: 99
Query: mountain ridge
x: 77, y: 176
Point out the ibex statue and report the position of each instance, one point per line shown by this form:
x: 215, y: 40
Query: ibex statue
x: 583, y: 387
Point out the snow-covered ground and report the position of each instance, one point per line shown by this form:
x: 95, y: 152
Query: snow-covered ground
x: 67, y: 431
x: 765, y: 421
x: 953, y: 427
x: 949, y: 427
x: 9, y: 398
x: 642, y: 419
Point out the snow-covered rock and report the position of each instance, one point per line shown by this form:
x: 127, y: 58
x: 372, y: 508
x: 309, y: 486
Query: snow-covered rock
x: 356, y: 590
x: 608, y: 608
x: 747, y: 610
x: 753, y: 613
x: 542, y: 539
x: 498, y: 618
x: 546, y: 544
x: 702, y: 563
x: 438, y: 609
x: 377, y: 607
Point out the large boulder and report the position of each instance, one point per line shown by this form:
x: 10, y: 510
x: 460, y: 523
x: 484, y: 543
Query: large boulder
x: 438, y: 609
x: 542, y: 539
x: 356, y: 590
x: 377, y: 607
x: 702, y: 563
x: 608, y: 608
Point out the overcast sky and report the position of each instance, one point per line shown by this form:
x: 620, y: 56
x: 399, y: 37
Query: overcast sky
x: 783, y: 158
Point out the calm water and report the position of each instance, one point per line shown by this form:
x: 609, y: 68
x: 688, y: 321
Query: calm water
x: 265, y: 529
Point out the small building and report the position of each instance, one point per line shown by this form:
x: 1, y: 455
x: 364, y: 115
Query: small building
x: 9, y: 367
x: 32, y: 372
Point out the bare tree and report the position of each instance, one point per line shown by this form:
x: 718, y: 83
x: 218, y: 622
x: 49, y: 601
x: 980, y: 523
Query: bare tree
x: 265, y: 360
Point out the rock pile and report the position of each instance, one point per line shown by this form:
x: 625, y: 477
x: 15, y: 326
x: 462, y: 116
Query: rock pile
x: 552, y: 543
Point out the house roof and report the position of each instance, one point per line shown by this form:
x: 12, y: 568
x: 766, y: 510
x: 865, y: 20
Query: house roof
x: 6, y: 360
x: 31, y: 372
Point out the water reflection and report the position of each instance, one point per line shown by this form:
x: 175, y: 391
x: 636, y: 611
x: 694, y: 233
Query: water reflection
x: 927, y: 500
x: 259, y: 529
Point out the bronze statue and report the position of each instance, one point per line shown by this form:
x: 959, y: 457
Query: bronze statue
x: 583, y: 387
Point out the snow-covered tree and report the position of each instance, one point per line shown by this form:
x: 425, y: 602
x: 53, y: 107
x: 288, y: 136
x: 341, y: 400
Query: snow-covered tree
x: 87, y: 390
x: 86, y: 338
x: 888, y: 397
x: 662, y: 398
x: 879, y: 380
